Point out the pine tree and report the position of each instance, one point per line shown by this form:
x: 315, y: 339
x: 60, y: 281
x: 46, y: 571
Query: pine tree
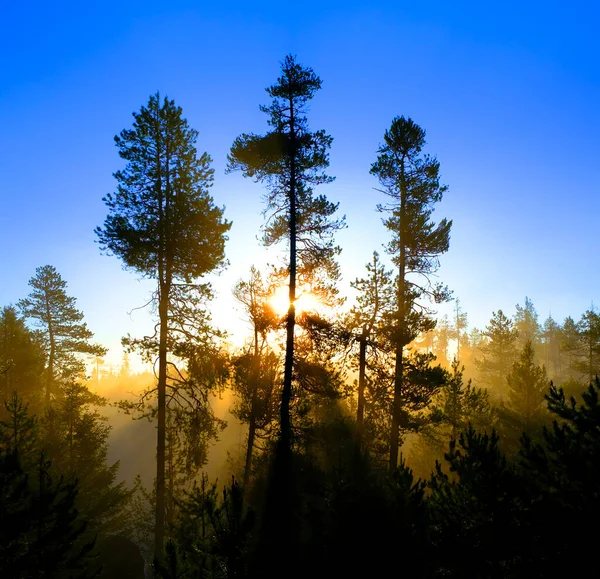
x: 563, y: 471
x: 478, y: 509
x: 499, y: 353
x: 580, y: 345
x: 163, y: 223
x: 463, y: 404
x: 412, y: 181
x: 213, y: 536
x: 75, y: 436
x: 459, y: 328
x: 256, y: 370
x: 256, y: 384
x: 21, y: 359
x: 527, y: 386
x: 15, y: 514
x: 125, y: 369
x: 469, y: 351
x: 42, y: 532
x: 550, y: 337
x: 19, y: 430
x: 570, y: 345
x: 65, y: 334
x: 443, y: 333
x: 375, y: 294
x: 526, y: 324
x: 459, y: 405
x: 291, y: 160
x: 589, y: 350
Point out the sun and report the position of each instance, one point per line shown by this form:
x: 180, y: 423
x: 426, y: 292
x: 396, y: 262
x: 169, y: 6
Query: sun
x: 306, y: 302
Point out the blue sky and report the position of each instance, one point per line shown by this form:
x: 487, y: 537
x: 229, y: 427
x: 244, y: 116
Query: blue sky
x: 508, y: 94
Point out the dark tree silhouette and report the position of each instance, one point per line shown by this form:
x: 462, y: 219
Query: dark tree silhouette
x: 163, y: 223
x: 526, y: 323
x: 412, y: 181
x: 21, y: 359
x: 19, y: 431
x: 41, y: 530
x: 290, y: 160
x: 476, y: 511
x: 589, y: 344
x: 564, y: 471
x: 462, y: 404
x: 499, y: 353
x: 256, y: 370
x: 75, y: 437
x: 61, y: 324
x: 527, y: 386
x: 366, y: 318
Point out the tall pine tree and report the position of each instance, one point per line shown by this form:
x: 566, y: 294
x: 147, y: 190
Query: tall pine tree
x: 163, y: 223
x: 412, y: 181
x: 291, y: 160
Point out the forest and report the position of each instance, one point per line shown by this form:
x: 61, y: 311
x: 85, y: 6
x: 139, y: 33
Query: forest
x: 356, y: 437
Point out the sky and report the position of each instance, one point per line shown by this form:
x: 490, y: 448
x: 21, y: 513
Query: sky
x: 507, y: 92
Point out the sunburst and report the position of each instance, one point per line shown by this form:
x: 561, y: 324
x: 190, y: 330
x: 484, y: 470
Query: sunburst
x: 305, y: 302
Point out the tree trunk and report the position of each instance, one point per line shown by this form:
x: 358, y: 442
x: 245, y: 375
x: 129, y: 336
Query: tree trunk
x: 401, y: 332
x: 457, y: 333
x: 248, y: 465
x: 286, y: 395
x: 159, y: 532
x: 51, y: 354
x: 362, y: 363
x: 278, y: 526
x: 50, y: 374
x: 591, y: 355
x: 252, y: 425
x: 169, y: 474
x: 165, y: 263
x: 397, y: 407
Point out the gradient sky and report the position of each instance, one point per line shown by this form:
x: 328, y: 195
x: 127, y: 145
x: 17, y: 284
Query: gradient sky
x: 508, y: 93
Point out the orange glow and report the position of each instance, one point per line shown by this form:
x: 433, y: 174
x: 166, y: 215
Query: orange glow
x: 305, y: 302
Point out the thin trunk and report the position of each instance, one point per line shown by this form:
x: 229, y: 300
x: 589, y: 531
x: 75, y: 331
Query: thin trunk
x: 203, y: 507
x: 164, y: 280
x: 170, y: 479
x: 457, y: 333
x: 363, y: 340
x: 401, y: 333
x: 591, y: 371
x: 51, y: 354
x: 279, y: 529
x: 252, y: 425
x: 248, y: 466
x: 286, y: 395
x: 41, y: 511
x: 15, y: 429
x: 71, y: 438
x: 161, y: 426
x: 362, y: 363
x: 397, y: 408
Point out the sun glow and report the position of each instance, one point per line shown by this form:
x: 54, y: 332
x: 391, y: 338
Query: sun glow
x: 305, y: 302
